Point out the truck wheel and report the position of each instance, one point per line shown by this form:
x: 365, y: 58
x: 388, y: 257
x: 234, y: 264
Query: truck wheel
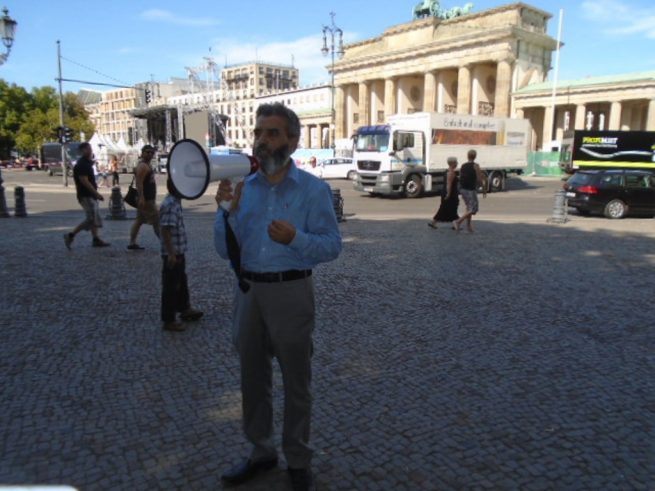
x: 496, y: 181
x: 69, y: 172
x: 50, y: 173
x: 616, y: 209
x: 413, y: 186
x: 352, y: 175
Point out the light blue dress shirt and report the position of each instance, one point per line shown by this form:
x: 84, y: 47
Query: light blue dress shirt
x: 301, y: 199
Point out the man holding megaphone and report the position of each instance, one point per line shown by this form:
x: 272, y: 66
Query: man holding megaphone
x: 284, y: 223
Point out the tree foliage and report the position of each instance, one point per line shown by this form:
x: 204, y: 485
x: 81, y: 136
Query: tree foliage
x: 29, y: 119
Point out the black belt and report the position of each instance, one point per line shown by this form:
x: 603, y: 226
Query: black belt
x: 291, y: 275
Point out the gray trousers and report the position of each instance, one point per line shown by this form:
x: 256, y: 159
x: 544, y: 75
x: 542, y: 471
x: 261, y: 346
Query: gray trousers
x: 276, y: 320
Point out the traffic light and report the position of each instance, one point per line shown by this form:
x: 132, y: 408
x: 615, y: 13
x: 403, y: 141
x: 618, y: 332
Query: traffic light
x: 64, y: 134
x: 148, y: 96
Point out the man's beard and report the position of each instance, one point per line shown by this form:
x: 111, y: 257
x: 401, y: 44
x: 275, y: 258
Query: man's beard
x: 270, y: 163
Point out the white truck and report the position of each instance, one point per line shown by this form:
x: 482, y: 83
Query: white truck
x: 407, y: 156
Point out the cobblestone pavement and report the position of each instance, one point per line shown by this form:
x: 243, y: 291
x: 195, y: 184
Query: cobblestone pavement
x: 519, y: 357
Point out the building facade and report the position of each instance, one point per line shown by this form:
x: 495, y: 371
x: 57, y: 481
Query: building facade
x: 312, y: 104
x: 618, y: 102
x: 111, y: 114
x: 467, y: 65
x: 233, y: 97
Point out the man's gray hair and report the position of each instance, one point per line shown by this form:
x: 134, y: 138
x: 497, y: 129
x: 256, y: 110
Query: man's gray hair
x: 472, y: 154
x: 451, y: 160
x: 278, y: 109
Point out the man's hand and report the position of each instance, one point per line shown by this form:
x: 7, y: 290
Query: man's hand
x: 281, y: 231
x: 225, y: 193
x: 171, y: 261
x: 100, y: 197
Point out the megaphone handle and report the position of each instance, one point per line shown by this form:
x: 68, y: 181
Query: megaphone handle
x: 227, y: 205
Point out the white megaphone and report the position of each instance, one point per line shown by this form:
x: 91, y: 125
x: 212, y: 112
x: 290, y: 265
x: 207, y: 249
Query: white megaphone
x: 191, y: 169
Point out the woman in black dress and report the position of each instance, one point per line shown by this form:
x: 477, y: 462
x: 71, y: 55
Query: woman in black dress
x: 450, y: 202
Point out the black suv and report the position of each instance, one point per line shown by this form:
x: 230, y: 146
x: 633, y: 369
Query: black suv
x: 614, y: 193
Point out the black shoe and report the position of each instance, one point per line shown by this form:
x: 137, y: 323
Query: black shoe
x: 135, y: 247
x: 246, y: 470
x: 100, y: 243
x: 301, y: 479
x: 68, y: 240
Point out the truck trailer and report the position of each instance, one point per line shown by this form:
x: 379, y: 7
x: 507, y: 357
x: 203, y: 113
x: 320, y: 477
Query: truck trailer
x: 582, y: 149
x: 408, y: 155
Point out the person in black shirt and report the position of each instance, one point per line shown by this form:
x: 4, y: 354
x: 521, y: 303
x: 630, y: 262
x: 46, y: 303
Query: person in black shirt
x: 87, y: 196
x: 470, y: 177
x: 146, y: 211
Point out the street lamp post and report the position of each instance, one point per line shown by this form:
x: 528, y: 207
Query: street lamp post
x: 7, y: 31
x: 332, y: 30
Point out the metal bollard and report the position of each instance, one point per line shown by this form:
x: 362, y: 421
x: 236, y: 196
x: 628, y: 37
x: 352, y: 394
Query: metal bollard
x: 4, y: 213
x: 19, y: 197
x: 560, y: 209
x: 337, y: 203
x: 116, y: 205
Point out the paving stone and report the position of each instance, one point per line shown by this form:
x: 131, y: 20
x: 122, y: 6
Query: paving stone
x: 516, y: 358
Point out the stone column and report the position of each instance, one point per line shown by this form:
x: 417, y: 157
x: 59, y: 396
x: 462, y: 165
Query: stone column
x: 340, y: 117
x: 429, y: 91
x: 615, y: 115
x: 307, y: 141
x: 464, y: 90
x: 626, y: 118
x: 580, y: 114
x: 503, y: 86
x: 650, y: 118
x: 364, y: 104
x: 547, y: 135
x: 390, y: 87
x: 441, y: 91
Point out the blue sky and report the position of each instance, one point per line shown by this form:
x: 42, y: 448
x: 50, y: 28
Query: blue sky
x: 134, y: 40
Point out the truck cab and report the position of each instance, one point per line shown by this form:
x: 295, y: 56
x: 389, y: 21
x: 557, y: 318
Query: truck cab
x: 390, y: 160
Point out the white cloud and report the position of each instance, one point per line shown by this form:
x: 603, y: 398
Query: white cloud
x: 620, y: 17
x: 306, y: 52
x: 158, y: 15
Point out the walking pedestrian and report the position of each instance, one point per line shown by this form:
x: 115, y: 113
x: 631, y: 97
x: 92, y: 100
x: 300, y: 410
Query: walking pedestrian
x: 450, y: 200
x: 284, y: 223
x: 175, y: 289
x: 146, y: 186
x: 88, y: 197
x: 470, y: 177
x: 104, y: 174
x: 115, y: 180
x: 312, y: 168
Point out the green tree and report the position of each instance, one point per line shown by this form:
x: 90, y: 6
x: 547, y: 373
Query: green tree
x: 40, y: 122
x: 15, y: 102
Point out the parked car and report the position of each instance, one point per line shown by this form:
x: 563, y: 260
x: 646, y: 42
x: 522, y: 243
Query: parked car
x: 339, y: 168
x: 612, y: 192
x: 31, y: 163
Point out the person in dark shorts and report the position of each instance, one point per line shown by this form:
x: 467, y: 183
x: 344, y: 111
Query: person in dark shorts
x: 88, y: 197
x: 470, y: 177
x: 146, y: 211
